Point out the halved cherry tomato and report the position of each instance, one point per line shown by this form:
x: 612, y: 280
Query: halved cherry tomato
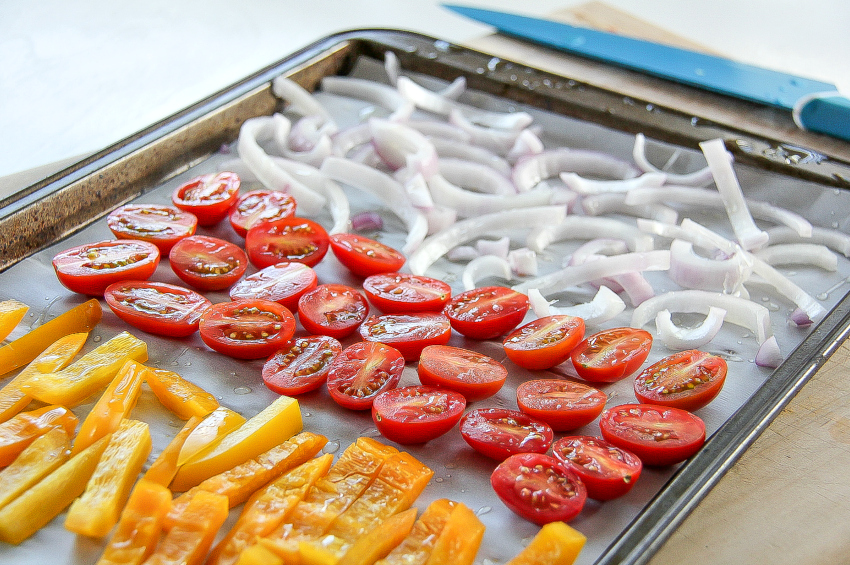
x: 688, y: 380
x: 157, y: 308
x: 606, y: 470
x: 258, y: 207
x: 332, y: 309
x: 564, y: 405
x: 659, y: 435
x: 416, y: 414
x: 363, y: 256
x: 284, y: 283
x: 161, y: 225
x: 207, y: 263
x: 410, y: 334
x: 539, y: 488
x: 403, y: 293
x: 210, y: 197
x: 474, y: 375
x: 247, y: 329
x: 486, y: 312
x: 544, y: 342
x: 361, y: 372
x: 291, y: 239
x: 499, y: 433
x: 611, y: 355
x: 89, y: 269
x: 301, y: 365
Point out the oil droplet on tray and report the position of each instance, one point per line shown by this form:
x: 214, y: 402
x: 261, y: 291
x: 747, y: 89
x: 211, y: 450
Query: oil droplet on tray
x: 331, y: 447
x: 242, y: 390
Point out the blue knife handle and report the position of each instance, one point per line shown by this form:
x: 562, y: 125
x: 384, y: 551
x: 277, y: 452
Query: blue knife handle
x: 827, y: 113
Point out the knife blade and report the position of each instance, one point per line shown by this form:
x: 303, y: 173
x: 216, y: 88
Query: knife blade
x: 815, y: 105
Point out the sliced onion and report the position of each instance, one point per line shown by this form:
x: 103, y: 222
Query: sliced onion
x: 800, y: 318
x: 367, y: 221
x: 416, y: 188
x: 462, y: 253
x: 679, y: 339
x: 531, y: 170
x: 442, y: 131
x: 799, y: 254
x: 379, y: 94
x: 635, y: 285
x: 834, y: 239
x: 615, y: 203
x: 400, y: 146
x: 344, y: 141
x: 475, y: 176
x: 454, y: 149
x: 769, y: 354
x: 392, y: 66
x: 483, y: 267
x: 497, y: 140
x: 585, y: 187
x: 598, y: 246
x: 523, y: 262
x: 527, y: 143
x: 604, y: 306
x: 689, y: 270
x: 673, y: 231
x: 498, y: 247
x: 468, y: 203
x: 787, y: 288
x: 582, y: 227
x: 300, y: 99
x: 311, y: 177
x: 439, y: 218
x: 698, y: 178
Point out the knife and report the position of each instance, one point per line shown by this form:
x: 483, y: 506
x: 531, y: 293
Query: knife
x: 815, y: 105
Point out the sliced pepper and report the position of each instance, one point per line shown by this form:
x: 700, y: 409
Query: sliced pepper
x: 11, y: 314
x: 90, y: 373
x: 381, y: 540
x: 41, y: 458
x: 459, y: 540
x: 417, y: 546
x: 140, y: 525
x: 23, y: 429
x: 163, y: 469
x: 258, y: 555
x: 212, y: 429
x: 189, y: 540
x: 182, y: 397
x: 555, y: 544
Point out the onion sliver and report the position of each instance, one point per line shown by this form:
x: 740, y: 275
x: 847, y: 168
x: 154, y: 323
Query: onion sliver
x: 314, y: 179
x: 355, y: 136
x: 583, y: 227
x: 523, y: 262
x: 604, y: 306
x: 402, y: 146
x: 689, y: 270
x: 598, y: 246
x: 468, y: 203
x: 799, y: 254
x: 698, y: 178
x: 769, y: 354
x: 443, y: 131
x: 585, y: 187
x: 475, y: 176
x: 379, y: 94
x: 834, y: 239
x: 483, y: 267
x: 615, y: 203
x: 531, y: 170
x: 679, y: 339
x: 301, y: 100
x: 673, y: 231
x: 787, y: 288
x: 496, y: 140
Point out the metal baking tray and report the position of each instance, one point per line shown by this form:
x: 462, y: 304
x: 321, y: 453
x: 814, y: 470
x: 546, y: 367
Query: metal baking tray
x: 792, y: 169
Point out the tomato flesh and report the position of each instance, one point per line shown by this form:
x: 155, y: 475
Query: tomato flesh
x: 409, y: 333
x: 363, y: 256
x: 611, y: 355
x: 606, y: 470
x: 161, y: 225
x: 688, y: 380
x: 284, y: 283
x: 361, y: 372
x: 89, y: 269
x: 301, y: 365
x: 259, y: 207
x: 416, y: 414
x: 209, y: 197
x: 207, y: 263
x: 403, y: 293
x: 335, y: 310
x: 157, y: 308
x: 472, y: 374
x: 564, y: 405
x: 499, y: 433
x: 247, y: 329
x: 288, y: 240
x: 486, y: 312
x: 544, y: 342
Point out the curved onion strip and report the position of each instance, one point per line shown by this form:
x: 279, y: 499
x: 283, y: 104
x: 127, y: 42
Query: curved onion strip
x: 673, y: 231
x: 834, y: 239
x: 435, y: 246
x: 769, y: 354
x: 799, y: 254
x: 462, y: 253
x: 280, y: 132
x: 392, y: 67
x: 497, y: 140
x: 527, y: 143
x: 313, y: 178
x: 300, y: 99
x: 523, y: 262
x: 598, y: 246
x: 498, y: 247
x: 615, y: 203
x: 483, y: 267
x: 307, y: 132
x: 379, y: 94
x: 586, y: 187
x: 698, y: 178
x: 441, y: 131
x: 449, y: 149
x: 529, y: 171
x: 355, y: 136
x: 400, y: 146
x: 679, y: 339
x: 468, y: 203
x: 439, y: 218
x: 635, y: 285
x: 416, y: 188
x: 314, y: 156
x: 604, y: 306
x: 582, y: 227
x: 475, y: 176
x: 689, y: 270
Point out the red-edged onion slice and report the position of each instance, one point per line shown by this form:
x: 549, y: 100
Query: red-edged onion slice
x: 483, y: 267
x: 523, y: 262
x: 527, y: 143
x: 468, y: 203
x: 635, y: 285
x: 680, y: 339
x: 401, y: 146
x: 689, y: 270
x: 300, y: 99
x: 475, y: 176
x: 604, y: 306
x: 586, y: 187
x: 311, y: 177
x: 769, y: 354
x: 583, y: 227
x: 834, y: 239
x: 366, y: 222
x: 498, y: 247
x: 529, y: 171
x: 800, y: 318
x: 453, y: 149
x: 799, y: 254
x: 697, y: 178
x: 615, y: 203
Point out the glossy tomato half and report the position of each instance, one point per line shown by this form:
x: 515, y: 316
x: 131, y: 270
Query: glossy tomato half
x: 161, y: 225
x: 688, y: 380
x: 89, y: 269
x: 209, y: 197
x: 409, y: 333
x: 499, y: 433
x: 332, y: 309
x: 247, y: 329
x: 486, y: 312
x: 416, y: 414
x: 288, y: 240
x: 207, y: 263
x: 258, y: 207
x: 611, y: 355
x: 403, y: 293
x: 544, y: 342
x: 564, y: 405
x: 361, y: 372
x: 363, y: 256
x: 472, y: 374
x: 301, y: 365
x: 284, y: 283
x: 606, y: 470
x: 157, y: 308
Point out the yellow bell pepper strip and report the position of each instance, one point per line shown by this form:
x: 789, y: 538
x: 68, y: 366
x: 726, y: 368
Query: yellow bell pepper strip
x: 184, y: 398
x: 42, y: 457
x: 381, y: 540
x: 555, y: 544
x: 212, y: 429
x: 23, y: 429
x: 11, y: 314
x: 417, y: 546
x: 458, y: 543
x: 113, y: 406
x: 81, y: 318
x: 42, y: 502
x: 259, y: 555
x: 92, y: 372
x: 96, y: 512
x: 163, y: 469
x: 267, y: 509
x: 189, y: 540
x: 140, y: 525
x: 276, y: 423
x: 57, y: 356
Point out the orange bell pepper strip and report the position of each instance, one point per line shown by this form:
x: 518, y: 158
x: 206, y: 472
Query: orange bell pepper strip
x: 82, y: 318
x: 140, y: 525
x: 57, y: 356
x: 459, y: 540
x: 41, y: 458
x: 11, y: 314
x: 163, y: 469
x: 555, y: 544
x: 23, y: 429
x: 417, y: 546
x: 209, y: 431
x: 96, y: 512
x: 381, y: 540
x: 182, y: 397
x: 42, y: 502
x: 92, y: 372
x: 258, y: 555
x: 189, y: 540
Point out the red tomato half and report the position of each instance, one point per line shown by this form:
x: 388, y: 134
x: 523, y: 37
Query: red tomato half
x: 89, y: 269
x: 157, y: 308
x: 207, y: 263
x: 410, y: 334
x: 416, y: 414
x: 486, y: 312
x: 544, y: 342
x: 209, y: 197
x: 259, y: 207
x: 301, y: 365
x: 474, y: 375
x: 284, y: 283
x: 499, y: 433
x: 611, y: 355
x: 363, y: 256
x: 332, y: 309
x: 363, y: 371
x: 539, y: 488
x: 658, y: 435
x: 564, y: 405
x: 606, y: 470
x: 688, y: 380
x: 247, y: 329
x: 403, y: 293
x: 288, y: 240
x: 161, y: 225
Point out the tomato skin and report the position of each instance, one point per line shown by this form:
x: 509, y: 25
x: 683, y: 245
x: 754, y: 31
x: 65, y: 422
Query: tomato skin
x: 688, y: 380
x: 544, y: 342
x: 231, y: 328
x: 161, y: 225
x: 363, y: 256
x: 403, y: 293
x: 292, y: 239
x: 539, y: 488
x: 89, y: 269
x: 157, y: 308
x: 472, y: 374
x: 416, y: 414
x: 606, y: 470
x: 410, y: 334
x: 209, y: 197
x: 361, y: 372
x: 301, y: 365
x: 207, y: 263
x: 284, y: 283
x: 611, y: 355
x: 486, y: 312
x: 258, y: 207
x: 564, y: 405
x: 499, y: 433
x: 658, y: 435
x: 334, y: 310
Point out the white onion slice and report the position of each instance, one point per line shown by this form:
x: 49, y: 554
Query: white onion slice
x: 799, y: 254
x: 689, y: 270
x: 392, y: 66
x: 452, y: 149
x: 769, y: 354
x: 376, y: 93
x: 604, y: 306
x: 496, y: 140
x: 598, y: 246
x: 673, y: 231
x: 475, y: 176
x: 697, y: 178
x: 417, y: 189
x: 523, y: 262
x: 615, y: 203
x: 401, y: 146
x: 462, y: 253
x: 635, y: 285
x: 439, y: 218
x: 468, y: 203
x: 311, y: 177
x: 441, y: 131
x: 834, y: 239
x: 582, y: 227
x: 527, y: 143
x: 680, y: 339
x: 344, y: 141
x: 498, y: 247
x: 586, y: 187
x: 483, y: 267
x: 787, y: 288
x: 529, y: 171
x: 300, y: 99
